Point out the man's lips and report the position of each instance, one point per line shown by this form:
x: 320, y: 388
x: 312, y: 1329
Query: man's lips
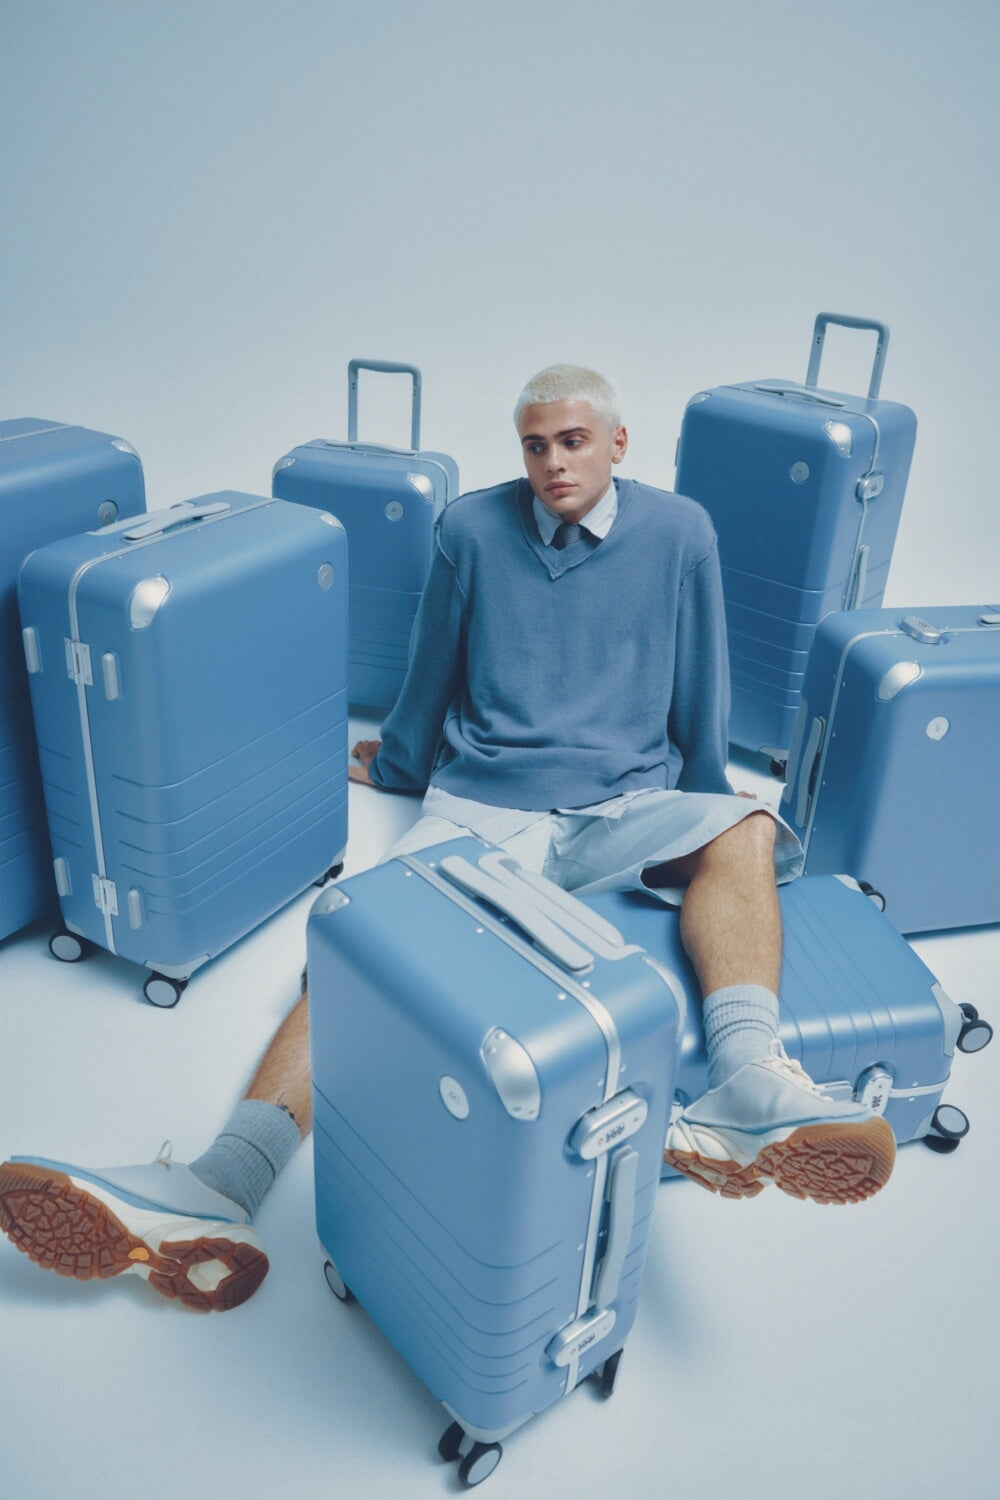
x: 560, y: 487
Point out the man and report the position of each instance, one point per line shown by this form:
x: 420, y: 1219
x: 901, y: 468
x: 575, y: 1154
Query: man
x: 567, y: 697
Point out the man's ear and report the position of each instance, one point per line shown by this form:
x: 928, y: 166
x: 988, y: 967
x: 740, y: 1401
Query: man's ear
x: 619, y: 445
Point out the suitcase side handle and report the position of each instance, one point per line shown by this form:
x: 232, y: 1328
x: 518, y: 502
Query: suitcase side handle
x: 384, y: 367
x: 844, y: 320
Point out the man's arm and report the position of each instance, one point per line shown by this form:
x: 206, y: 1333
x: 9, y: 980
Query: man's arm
x: 699, y: 712
x: 407, y: 753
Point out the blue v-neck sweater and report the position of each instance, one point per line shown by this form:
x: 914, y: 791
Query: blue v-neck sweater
x: 542, y: 679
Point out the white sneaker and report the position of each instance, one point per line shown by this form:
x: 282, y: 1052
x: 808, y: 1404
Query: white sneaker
x: 769, y: 1121
x: 159, y: 1221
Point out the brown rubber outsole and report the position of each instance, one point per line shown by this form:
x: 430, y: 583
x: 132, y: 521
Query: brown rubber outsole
x: 829, y: 1163
x: 65, y: 1229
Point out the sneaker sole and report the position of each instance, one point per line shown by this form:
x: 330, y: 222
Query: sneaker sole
x: 828, y: 1163
x: 66, y: 1227
x: 727, y: 1178
x: 831, y: 1164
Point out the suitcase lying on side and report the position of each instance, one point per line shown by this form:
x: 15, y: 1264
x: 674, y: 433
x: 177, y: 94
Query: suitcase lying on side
x: 859, y: 1009
x: 387, y: 500
x: 489, y: 1123
x: 55, y: 479
x: 892, y: 769
x: 805, y: 488
x: 187, y: 681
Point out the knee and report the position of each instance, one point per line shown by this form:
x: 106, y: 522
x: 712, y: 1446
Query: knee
x: 749, y: 842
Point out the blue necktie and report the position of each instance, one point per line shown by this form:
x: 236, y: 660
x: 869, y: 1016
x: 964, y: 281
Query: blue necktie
x: 566, y: 533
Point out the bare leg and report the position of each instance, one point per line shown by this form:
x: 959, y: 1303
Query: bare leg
x: 730, y: 919
x: 282, y: 1077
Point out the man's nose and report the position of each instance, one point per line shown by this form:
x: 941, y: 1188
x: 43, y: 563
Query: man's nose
x: 554, y: 461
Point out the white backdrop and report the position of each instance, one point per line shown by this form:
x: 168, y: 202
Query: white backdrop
x: 208, y: 207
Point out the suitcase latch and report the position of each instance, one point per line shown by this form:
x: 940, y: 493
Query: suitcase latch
x: 78, y: 663
x: 105, y: 896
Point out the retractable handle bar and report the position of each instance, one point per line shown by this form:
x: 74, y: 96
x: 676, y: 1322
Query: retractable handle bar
x: 843, y: 320
x: 384, y: 367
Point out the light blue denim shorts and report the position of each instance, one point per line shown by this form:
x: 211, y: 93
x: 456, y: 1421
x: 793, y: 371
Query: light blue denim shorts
x: 602, y: 848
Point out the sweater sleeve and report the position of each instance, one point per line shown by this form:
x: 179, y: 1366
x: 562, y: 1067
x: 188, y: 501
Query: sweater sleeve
x: 699, y: 713
x: 412, y: 734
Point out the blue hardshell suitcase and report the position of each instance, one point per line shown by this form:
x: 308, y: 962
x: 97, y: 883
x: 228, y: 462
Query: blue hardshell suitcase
x: 492, y: 1071
x: 187, y: 680
x: 55, y: 479
x: 387, y: 500
x: 805, y: 488
x: 860, y: 1010
x: 892, y: 767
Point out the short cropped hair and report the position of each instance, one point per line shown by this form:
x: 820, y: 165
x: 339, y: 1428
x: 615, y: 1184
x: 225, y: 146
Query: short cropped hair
x: 571, y: 383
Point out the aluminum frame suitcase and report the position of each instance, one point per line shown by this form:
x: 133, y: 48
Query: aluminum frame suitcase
x: 55, y: 479
x: 490, y: 1112
x: 891, y: 773
x: 187, y: 681
x: 860, y: 1009
x: 805, y: 487
x: 387, y: 500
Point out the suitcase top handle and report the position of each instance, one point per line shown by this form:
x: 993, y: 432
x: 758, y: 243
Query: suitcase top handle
x: 845, y: 321
x: 159, y: 521
x: 562, y: 926
x: 385, y: 367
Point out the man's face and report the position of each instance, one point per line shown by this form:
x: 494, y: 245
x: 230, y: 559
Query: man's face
x: 568, y: 453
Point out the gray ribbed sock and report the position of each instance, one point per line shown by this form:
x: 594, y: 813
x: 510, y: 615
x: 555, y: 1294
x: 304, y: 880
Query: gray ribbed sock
x: 741, y: 1022
x: 246, y: 1157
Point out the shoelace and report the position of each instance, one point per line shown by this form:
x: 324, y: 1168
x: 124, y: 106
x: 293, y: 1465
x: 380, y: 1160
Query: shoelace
x: 165, y: 1156
x: 792, y: 1069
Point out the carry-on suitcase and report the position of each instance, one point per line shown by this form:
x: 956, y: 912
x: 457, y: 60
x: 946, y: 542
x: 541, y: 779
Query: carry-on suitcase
x: 387, y: 500
x: 805, y: 488
x: 492, y: 1071
x: 187, y: 681
x: 55, y: 479
x: 860, y: 1010
x: 892, y: 768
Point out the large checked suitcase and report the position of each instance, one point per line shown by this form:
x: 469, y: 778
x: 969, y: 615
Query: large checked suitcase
x: 892, y: 768
x: 860, y: 1010
x: 805, y: 488
x: 55, y: 479
x: 387, y: 500
x: 492, y: 1072
x: 187, y: 681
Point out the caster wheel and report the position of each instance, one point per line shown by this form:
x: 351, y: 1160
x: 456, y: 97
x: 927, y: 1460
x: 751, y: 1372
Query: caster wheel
x: 609, y: 1373
x: 975, y: 1033
x: 332, y: 874
x: 336, y: 1283
x: 949, y: 1125
x: 479, y: 1463
x: 779, y: 768
x: 940, y: 1144
x: 450, y: 1443
x: 162, y: 991
x: 69, y: 947
x: 874, y: 896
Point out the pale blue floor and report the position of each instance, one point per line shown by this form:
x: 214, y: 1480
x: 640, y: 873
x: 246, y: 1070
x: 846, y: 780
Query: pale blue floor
x: 782, y: 1349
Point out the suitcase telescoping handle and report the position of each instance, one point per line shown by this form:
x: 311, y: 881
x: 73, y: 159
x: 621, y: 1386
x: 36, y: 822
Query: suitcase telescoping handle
x: 384, y: 367
x: 844, y: 320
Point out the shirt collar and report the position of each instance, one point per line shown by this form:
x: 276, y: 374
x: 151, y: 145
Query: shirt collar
x: 597, y: 521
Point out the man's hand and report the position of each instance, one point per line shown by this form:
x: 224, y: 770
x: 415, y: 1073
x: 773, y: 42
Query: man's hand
x: 364, y: 751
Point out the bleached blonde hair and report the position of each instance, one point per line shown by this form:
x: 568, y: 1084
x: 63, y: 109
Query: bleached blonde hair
x: 571, y: 383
